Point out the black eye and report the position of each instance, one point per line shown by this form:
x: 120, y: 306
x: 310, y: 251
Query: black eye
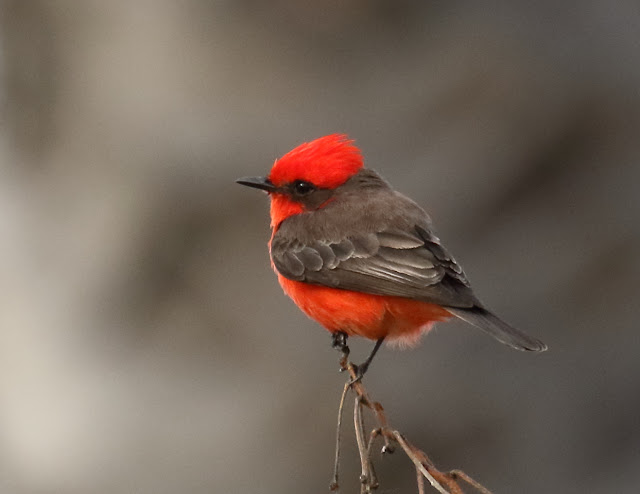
x: 302, y: 188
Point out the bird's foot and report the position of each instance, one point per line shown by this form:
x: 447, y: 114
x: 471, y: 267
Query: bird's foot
x: 359, y: 370
x: 339, y: 342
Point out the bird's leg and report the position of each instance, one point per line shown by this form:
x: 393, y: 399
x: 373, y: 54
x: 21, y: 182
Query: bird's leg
x: 339, y: 342
x: 362, y: 368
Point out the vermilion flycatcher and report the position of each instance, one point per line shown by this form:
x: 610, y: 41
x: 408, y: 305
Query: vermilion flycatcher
x: 361, y: 258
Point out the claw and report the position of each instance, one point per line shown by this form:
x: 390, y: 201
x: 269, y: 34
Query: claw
x: 339, y: 341
x: 359, y: 371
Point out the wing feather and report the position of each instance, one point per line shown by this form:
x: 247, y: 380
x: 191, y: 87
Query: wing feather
x: 391, y: 262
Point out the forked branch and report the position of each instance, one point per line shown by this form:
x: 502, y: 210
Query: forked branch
x: 444, y: 482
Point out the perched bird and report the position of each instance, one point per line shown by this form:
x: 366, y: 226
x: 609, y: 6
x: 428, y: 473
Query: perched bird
x: 361, y: 258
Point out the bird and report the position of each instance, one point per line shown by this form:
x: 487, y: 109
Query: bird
x: 362, y: 259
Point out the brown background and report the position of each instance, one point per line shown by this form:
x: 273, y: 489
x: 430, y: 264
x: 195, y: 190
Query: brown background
x: 144, y: 343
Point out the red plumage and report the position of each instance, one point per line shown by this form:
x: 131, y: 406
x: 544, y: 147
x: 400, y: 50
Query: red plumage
x: 326, y: 162
x: 361, y: 258
x: 400, y: 320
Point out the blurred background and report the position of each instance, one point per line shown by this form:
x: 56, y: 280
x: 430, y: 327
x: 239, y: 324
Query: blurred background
x: 145, y: 345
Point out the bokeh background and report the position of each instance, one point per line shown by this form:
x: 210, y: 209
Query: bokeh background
x: 145, y: 346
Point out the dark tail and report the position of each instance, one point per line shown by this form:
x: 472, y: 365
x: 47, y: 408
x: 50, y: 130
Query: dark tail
x: 500, y: 330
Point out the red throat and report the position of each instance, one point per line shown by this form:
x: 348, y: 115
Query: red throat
x: 281, y: 208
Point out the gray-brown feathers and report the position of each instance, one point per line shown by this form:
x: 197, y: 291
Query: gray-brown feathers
x: 369, y: 238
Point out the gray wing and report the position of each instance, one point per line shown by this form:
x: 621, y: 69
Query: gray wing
x: 409, y: 264
x: 394, y: 262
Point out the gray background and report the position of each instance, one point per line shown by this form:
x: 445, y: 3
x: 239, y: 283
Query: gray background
x: 144, y: 343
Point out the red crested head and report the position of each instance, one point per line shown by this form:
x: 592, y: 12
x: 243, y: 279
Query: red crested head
x: 326, y: 162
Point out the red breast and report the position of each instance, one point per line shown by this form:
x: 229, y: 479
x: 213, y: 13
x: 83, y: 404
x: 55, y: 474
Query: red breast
x: 362, y: 314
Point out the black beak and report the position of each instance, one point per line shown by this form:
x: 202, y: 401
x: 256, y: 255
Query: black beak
x: 257, y: 183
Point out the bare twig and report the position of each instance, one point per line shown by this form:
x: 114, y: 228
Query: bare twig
x: 473, y: 483
x: 372, y: 437
x: 336, y: 465
x: 367, y: 477
x: 443, y: 482
x: 413, y: 455
x: 420, y: 481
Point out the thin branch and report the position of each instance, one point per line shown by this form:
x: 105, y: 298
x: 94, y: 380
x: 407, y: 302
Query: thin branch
x: 372, y: 439
x: 411, y: 453
x: 367, y: 477
x: 420, y: 481
x: 443, y: 482
x: 336, y: 465
x: 473, y: 483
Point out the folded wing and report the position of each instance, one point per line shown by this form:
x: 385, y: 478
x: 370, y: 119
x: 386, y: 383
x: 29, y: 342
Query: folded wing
x: 411, y: 264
